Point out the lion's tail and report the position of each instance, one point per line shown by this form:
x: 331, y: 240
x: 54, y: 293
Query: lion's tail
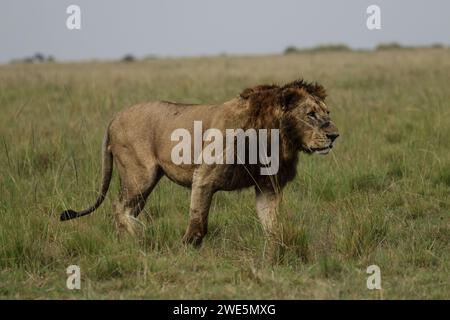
x: 107, y: 167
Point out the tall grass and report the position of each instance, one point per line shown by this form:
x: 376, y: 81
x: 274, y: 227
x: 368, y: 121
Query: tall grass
x: 381, y: 197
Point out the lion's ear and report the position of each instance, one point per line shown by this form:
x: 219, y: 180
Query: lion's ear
x: 246, y: 93
x: 290, y: 98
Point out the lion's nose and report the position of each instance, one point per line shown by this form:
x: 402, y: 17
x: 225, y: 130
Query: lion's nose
x: 332, y: 136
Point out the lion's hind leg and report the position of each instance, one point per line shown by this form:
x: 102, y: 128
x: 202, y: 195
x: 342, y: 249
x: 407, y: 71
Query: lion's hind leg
x: 136, y: 184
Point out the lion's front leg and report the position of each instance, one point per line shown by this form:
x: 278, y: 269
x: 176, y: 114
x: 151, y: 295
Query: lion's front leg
x: 267, y: 202
x: 201, y: 196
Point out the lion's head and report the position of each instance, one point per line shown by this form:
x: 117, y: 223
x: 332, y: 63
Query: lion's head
x: 308, y: 117
x: 300, y: 107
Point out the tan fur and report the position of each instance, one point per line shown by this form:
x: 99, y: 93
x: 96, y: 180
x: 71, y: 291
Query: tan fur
x: 138, y: 139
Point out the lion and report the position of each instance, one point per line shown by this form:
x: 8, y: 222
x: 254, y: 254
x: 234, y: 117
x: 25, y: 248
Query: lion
x: 138, y: 141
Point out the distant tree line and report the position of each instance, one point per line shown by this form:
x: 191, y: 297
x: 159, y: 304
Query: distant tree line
x: 320, y: 48
x: 131, y: 58
x: 42, y: 58
x: 337, y: 47
x: 345, y: 48
x: 36, y: 58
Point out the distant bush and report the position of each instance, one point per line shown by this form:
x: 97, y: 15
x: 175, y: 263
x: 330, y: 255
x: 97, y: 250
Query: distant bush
x: 390, y: 46
x: 128, y: 58
x: 344, y: 48
x: 437, y: 46
x: 331, y: 47
x: 321, y: 48
x: 291, y: 49
x: 398, y: 46
x: 36, y: 58
x: 39, y: 57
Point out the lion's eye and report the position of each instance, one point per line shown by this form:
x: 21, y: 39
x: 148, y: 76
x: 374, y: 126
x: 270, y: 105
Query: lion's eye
x: 312, y: 114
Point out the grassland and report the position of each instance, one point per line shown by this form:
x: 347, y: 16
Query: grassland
x: 381, y: 197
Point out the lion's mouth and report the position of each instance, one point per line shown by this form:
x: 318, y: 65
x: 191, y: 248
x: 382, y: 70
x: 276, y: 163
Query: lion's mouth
x: 324, y: 150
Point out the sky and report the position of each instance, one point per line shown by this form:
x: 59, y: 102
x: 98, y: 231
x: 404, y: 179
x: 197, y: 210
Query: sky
x: 111, y: 29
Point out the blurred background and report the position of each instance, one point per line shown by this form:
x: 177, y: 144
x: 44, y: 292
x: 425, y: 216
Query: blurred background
x: 36, y: 30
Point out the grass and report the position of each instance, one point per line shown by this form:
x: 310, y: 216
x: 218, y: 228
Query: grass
x: 381, y: 197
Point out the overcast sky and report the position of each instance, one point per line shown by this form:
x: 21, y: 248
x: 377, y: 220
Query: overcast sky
x: 110, y: 29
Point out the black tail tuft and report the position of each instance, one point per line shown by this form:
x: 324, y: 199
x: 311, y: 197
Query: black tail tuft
x: 68, y: 214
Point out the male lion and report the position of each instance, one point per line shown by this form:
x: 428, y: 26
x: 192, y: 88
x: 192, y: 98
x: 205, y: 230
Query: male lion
x: 139, y: 141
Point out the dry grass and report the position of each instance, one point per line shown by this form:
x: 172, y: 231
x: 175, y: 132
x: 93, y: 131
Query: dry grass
x: 382, y: 196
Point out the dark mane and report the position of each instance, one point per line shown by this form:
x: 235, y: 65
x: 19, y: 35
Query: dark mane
x: 266, y: 105
x: 257, y: 89
x: 312, y: 88
x: 263, y: 101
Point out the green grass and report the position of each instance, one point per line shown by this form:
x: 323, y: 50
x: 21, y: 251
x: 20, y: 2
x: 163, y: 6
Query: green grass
x: 381, y: 197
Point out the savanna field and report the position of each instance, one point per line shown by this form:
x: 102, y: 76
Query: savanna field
x: 382, y: 196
